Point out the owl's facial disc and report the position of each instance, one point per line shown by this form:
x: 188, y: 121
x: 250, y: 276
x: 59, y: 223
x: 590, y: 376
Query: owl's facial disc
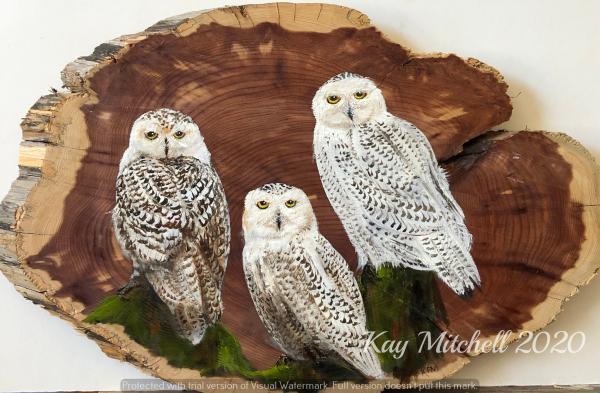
x: 277, y: 214
x: 346, y: 102
x: 166, y: 134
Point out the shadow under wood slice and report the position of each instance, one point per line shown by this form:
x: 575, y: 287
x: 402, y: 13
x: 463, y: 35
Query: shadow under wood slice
x: 248, y: 78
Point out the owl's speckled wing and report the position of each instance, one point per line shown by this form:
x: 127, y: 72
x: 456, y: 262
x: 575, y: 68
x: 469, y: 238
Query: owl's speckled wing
x: 408, y: 142
x: 311, y: 306
x: 171, y: 219
x: 337, y: 268
x: 395, y: 202
x: 408, y: 201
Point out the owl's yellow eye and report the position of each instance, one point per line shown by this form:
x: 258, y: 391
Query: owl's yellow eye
x: 262, y: 204
x: 179, y: 134
x: 359, y: 95
x: 333, y: 99
x: 290, y: 203
x: 151, y: 135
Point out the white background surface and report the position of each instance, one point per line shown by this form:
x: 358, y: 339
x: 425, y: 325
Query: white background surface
x: 548, y: 51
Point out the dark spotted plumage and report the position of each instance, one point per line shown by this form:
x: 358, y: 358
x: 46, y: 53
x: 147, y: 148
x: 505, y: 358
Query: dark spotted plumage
x: 302, y: 288
x: 166, y: 118
x: 275, y: 188
x: 384, y: 183
x: 342, y: 76
x: 171, y: 220
x: 310, y: 303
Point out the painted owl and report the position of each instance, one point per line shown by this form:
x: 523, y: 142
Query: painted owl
x: 302, y: 288
x: 171, y: 218
x: 384, y: 183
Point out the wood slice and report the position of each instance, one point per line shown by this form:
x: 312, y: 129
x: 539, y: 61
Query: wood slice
x: 247, y: 76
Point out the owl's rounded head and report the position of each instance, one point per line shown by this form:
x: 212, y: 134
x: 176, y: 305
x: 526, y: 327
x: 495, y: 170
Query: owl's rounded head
x: 165, y: 134
x: 347, y: 99
x: 277, y: 211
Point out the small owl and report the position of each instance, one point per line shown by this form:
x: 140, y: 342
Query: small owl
x: 385, y: 184
x: 171, y: 218
x: 302, y: 288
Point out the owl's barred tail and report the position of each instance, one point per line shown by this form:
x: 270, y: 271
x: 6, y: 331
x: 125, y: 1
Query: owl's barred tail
x: 190, y: 321
x: 184, y: 303
x: 365, y: 361
x: 460, y: 272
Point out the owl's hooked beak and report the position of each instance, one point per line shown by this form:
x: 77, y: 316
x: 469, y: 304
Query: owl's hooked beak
x: 350, y: 113
x: 166, y: 148
x: 278, y: 220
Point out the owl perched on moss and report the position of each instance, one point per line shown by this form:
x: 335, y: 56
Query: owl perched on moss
x: 171, y: 218
x: 384, y: 183
x: 302, y: 288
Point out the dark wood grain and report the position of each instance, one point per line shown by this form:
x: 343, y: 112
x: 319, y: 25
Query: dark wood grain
x: 253, y: 107
x: 515, y: 191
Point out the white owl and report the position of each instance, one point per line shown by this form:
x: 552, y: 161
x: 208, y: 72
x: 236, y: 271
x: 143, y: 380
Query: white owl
x: 171, y: 218
x: 302, y: 288
x: 384, y: 183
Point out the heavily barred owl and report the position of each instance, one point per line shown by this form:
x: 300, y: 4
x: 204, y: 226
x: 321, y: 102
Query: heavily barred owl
x: 171, y: 218
x: 302, y: 288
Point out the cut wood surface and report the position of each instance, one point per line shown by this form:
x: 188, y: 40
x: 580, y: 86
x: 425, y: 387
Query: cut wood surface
x: 247, y: 76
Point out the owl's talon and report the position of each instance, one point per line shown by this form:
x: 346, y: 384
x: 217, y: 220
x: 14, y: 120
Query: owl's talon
x: 283, y: 361
x: 134, y: 282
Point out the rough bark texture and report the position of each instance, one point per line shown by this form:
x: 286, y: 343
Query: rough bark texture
x: 247, y: 76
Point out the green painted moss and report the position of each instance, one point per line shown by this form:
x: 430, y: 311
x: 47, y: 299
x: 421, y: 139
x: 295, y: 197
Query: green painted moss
x: 403, y: 303
x: 147, y: 321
